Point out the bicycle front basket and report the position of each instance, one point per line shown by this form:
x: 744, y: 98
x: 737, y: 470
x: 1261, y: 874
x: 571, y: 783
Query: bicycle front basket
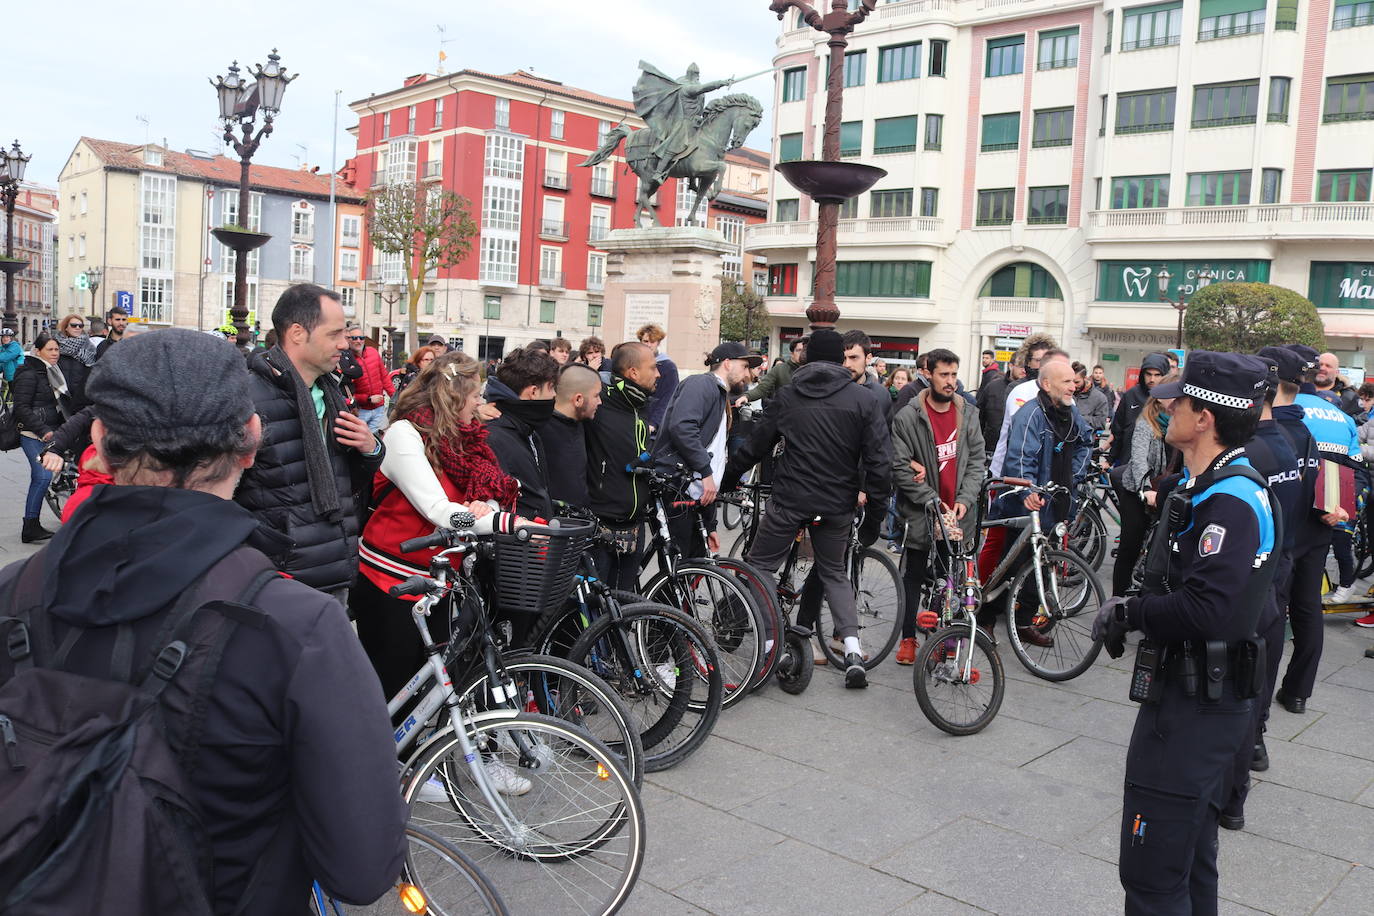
x: 534, y: 572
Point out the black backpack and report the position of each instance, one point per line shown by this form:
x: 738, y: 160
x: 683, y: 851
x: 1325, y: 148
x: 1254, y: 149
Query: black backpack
x: 96, y: 812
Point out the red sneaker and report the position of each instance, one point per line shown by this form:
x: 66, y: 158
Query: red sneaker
x: 906, y: 651
x: 1366, y: 621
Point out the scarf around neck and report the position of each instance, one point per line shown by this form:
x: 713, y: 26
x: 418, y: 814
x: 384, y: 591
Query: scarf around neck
x: 56, y: 380
x: 1062, y: 427
x: 467, y: 461
x: 79, y: 348
x: 319, y: 469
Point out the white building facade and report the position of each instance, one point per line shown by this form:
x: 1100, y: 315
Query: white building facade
x: 1045, y: 159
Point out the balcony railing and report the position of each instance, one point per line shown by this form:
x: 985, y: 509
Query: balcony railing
x: 1312, y: 220
x: 433, y: 170
x: 551, y: 279
x: 348, y: 273
x: 1227, y: 122
x: 596, y: 233
x: 553, y: 229
x: 603, y: 187
x: 558, y: 180
x: 1338, y: 116
x: 1251, y: 28
x: 379, y: 180
x: 596, y: 284
x: 350, y: 240
x: 1158, y: 41
x: 897, y: 10
x: 799, y: 233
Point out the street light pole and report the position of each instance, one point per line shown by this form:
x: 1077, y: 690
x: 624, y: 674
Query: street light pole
x: 1180, y: 304
x: 93, y: 277
x: 12, y: 165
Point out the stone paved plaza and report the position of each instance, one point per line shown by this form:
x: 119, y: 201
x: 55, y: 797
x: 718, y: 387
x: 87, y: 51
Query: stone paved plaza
x: 850, y: 802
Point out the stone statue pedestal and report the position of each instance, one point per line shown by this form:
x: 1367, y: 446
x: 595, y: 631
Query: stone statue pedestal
x: 669, y: 276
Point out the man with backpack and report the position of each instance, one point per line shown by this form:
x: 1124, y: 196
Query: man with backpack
x: 186, y: 730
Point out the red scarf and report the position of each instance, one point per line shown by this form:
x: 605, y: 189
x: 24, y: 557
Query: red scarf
x: 470, y: 466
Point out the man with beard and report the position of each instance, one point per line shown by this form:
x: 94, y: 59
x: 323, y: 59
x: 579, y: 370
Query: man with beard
x: 1152, y: 368
x: 523, y: 391
x: 1092, y: 401
x: 616, y: 436
x: 1035, y: 351
x: 576, y: 398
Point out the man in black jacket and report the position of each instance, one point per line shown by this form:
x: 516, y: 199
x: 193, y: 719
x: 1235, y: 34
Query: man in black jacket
x: 1152, y: 368
x: 294, y: 772
x: 838, y: 455
x: 616, y: 437
x: 858, y: 350
x: 577, y: 396
x: 991, y: 402
x: 317, y: 457
x: 523, y: 391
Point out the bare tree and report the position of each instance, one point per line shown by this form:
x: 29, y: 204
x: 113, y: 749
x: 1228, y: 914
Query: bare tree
x: 428, y: 227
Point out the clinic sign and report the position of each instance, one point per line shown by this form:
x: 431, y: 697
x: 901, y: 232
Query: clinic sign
x: 1341, y: 284
x: 1135, y: 281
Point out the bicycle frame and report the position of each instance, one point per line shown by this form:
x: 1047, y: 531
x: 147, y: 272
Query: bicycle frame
x: 1001, y: 577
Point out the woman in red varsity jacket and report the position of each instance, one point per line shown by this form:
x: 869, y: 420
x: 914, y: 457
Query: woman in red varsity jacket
x: 437, y: 463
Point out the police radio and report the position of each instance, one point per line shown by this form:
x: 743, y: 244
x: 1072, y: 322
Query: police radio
x: 1147, y: 678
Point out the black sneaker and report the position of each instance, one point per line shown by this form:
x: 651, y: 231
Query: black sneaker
x: 1231, y: 821
x: 854, y: 673
x: 1260, y: 762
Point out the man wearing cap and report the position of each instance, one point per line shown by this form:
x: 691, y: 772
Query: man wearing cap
x: 1209, y: 576
x: 294, y: 764
x: 11, y: 354
x: 693, y: 434
x: 838, y: 455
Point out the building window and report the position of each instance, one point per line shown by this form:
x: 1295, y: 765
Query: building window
x: 1228, y: 18
x: 402, y: 159
x: 1279, y: 89
x: 1022, y: 280
x: 782, y: 279
x: 1052, y: 127
x: 350, y: 230
x: 1151, y: 26
x: 503, y: 114
x: 1350, y: 13
x: 550, y: 267
x: 1271, y: 185
x: 935, y: 129
x: 1349, y: 98
x: 229, y: 203
x: 1001, y: 131
x: 794, y: 84
x: 1286, y: 15
x: 505, y: 156
x: 386, y: 124
x: 594, y: 314
x: 930, y: 201
x: 851, y: 138
x: 686, y: 202
x: 410, y: 120
x: 498, y: 259
x: 158, y: 230
x: 548, y: 311
x: 894, y: 135
x: 429, y: 303
x: 1218, y: 189
x: 596, y: 272
x: 603, y: 130
x: 883, y: 279
x: 348, y: 266
x: 1343, y: 185
x: 348, y: 298
x: 849, y: 208
x: 556, y: 124
x: 1108, y: 48
x: 491, y: 308
x: 899, y: 62
x: 1225, y: 104
x: 501, y: 208
x: 438, y: 113
x: 81, y: 245
x: 302, y: 263
x: 1137, y: 192
x: 1057, y: 49
x: 787, y: 210
x: 1048, y: 206
x: 603, y: 181
x: 939, y: 52
x: 1142, y: 112
x: 553, y: 224
x: 855, y: 65
x: 1006, y: 56
x: 890, y: 204
x: 789, y: 147
x: 995, y: 207
x: 376, y: 303
x: 393, y: 268
x: 155, y: 298
x: 83, y: 203
x: 600, y: 223
x: 303, y: 222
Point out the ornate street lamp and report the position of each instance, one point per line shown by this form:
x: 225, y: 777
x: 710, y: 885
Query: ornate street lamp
x: 829, y: 182
x: 1180, y: 304
x: 93, y: 278
x: 12, y: 165
x: 239, y: 104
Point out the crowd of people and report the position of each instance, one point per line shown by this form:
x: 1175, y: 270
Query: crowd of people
x: 316, y: 459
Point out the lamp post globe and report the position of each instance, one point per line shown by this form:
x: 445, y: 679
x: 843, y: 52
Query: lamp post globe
x: 12, y: 165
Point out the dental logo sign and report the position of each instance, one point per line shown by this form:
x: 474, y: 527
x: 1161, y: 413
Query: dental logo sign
x: 1136, y: 280
x: 1129, y: 281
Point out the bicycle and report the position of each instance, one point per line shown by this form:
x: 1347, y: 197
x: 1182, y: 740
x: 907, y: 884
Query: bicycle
x: 431, y: 862
x: 61, y: 487
x: 1086, y: 532
x: 958, y: 675
x: 576, y: 802
x: 1059, y: 583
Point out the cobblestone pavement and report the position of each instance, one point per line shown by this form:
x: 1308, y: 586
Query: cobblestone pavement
x: 850, y: 802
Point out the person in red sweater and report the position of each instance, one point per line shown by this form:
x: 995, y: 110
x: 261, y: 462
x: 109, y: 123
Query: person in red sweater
x: 370, y: 391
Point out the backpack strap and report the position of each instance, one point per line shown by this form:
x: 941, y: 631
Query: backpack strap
x: 22, y: 643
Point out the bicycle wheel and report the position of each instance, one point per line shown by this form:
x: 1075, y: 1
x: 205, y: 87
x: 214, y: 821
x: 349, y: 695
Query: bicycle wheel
x: 879, y: 599
x: 451, y: 883
x: 1064, y: 614
x: 1087, y: 537
x: 959, y: 680
x: 572, y: 843
x: 723, y: 606
x: 767, y: 600
x: 796, y: 665
x: 63, y: 484
x: 565, y: 690
x: 663, y: 667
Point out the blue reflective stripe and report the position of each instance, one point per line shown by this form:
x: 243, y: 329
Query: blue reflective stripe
x: 1333, y: 429
x: 1250, y: 493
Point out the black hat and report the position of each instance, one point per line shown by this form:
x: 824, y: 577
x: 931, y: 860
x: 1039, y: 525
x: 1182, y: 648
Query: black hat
x: 1290, y: 363
x: 732, y: 350
x: 436, y: 341
x: 1233, y: 380
x: 170, y: 382
x: 825, y: 346
x: 1308, y: 355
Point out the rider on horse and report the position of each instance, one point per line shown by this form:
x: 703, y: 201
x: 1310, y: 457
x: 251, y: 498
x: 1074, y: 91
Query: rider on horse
x: 674, y: 109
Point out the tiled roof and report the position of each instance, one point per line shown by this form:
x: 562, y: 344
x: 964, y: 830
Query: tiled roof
x: 747, y: 156
x: 220, y: 170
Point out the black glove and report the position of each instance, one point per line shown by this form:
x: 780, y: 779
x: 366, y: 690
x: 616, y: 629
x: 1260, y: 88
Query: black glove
x: 1111, y: 627
x: 870, y: 527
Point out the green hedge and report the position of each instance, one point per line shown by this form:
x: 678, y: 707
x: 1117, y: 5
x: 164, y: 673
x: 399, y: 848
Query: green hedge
x: 1242, y: 317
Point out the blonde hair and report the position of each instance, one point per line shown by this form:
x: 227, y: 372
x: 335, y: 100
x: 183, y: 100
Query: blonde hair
x: 651, y: 331
x: 444, y: 387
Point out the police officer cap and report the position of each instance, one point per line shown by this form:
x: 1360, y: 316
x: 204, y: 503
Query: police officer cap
x: 1289, y: 364
x: 1227, y: 379
x: 1306, y: 353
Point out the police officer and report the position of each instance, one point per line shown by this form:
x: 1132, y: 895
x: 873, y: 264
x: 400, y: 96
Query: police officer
x: 1210, y: 569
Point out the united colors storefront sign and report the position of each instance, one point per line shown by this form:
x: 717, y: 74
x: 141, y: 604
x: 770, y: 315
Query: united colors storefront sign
x: 1135, y: 281
x: 1342, y: 284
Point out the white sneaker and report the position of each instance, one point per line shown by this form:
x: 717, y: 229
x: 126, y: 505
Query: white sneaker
x: 504, y: 779
x: 1341, y: 595
x: 433, y: 792
x: 667, y: 676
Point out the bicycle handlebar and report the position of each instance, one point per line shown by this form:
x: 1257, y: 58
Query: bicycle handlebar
x: 415, y: 585
x: 1021, y: 483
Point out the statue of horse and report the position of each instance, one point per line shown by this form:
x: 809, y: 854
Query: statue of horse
x: 725, y: 123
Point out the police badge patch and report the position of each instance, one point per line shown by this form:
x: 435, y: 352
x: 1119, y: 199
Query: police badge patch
x: 1211, y: 540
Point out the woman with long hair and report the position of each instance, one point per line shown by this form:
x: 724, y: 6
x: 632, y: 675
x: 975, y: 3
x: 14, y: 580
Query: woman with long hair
x: 898, y: 379
x: 42, y: 403
x: 78, y: 355
x: 1151, y: 458
x: 413, y: 367
x: 437, y: 463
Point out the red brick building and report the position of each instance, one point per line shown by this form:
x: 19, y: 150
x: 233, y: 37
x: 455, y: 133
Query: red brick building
x: 511, y: 145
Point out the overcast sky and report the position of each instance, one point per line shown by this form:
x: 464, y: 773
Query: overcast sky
x: 93, y: 67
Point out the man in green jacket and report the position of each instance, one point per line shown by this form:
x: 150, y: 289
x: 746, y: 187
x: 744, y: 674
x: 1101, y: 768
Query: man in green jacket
x: 937, y: 465
x: 775, y: 379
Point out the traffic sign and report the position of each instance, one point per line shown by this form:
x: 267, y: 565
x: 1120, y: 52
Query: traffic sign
x: 1004, y: 356
x: 125, y: 300
x: 1011, y: 343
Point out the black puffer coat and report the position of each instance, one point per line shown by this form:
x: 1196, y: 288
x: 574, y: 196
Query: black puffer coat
x: 35, y: 404
x: 276, y: 489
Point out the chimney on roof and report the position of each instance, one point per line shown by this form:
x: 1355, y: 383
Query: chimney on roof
x: 530, y: 72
